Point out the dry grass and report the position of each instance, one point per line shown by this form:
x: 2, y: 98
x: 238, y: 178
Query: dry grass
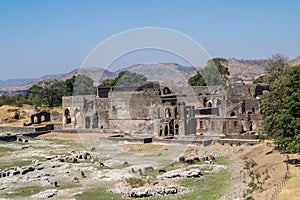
x: 291, y: 189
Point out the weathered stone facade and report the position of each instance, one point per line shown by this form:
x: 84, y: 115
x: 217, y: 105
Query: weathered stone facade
x: 153, y: 109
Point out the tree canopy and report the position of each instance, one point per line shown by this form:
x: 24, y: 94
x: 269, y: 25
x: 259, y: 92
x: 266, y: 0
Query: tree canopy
x: 125, y: 78
x: 82, y: 85
x: 47, y: 93
x: 50, y: 93
x: 215, y: 73
x: 281, y: 110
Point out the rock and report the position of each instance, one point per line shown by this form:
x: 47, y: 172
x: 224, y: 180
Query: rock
x: 170, y: 190
x: 45, y: 194
x: 187, y: 173
x: 140, y: 192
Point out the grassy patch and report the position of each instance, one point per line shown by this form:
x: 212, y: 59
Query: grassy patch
x: 20, y: 143
x: 22, y: 192
x: 14, y: 164
x: 99, y: 194
x: 209, y: 187
x: 4, y: 150
x: 60, y: 141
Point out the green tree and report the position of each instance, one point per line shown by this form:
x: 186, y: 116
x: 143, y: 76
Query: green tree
x: 83, y: 85
x: 107, y: 83
x: 47, y: 93
x: 215, y: 73
x: 276, y: 65
x: 124, y: 79
x: 70, y: 85
x: 197, y: 80
x: 281, y: 110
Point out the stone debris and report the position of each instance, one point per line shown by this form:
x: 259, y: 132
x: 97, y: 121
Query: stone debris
x: 45, y: 194
x: 183, y: 173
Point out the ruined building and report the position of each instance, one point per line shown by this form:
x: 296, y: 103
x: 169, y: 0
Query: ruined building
x: 154, y: 109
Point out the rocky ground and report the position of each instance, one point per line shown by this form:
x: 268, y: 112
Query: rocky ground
x: 61, y: 166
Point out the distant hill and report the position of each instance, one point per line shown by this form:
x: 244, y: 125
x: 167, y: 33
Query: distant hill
x: 97, y: 74
x: 246, y: 69
x: 295, y: 61
x: 170, y: 74
x: 16, y: 82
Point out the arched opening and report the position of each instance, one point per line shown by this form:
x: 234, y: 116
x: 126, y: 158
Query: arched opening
x: 166, y: 91
x: 201, y: 124
x: 160, y: 131
x: 250, y: 126
x: 168, y: 113
x: 166, y: 130
x: 176, y: 129
x: 43, y: 118
x: 17, y: 116
x: 209, y: 104
x: 204, y: 102
x: 244, y: 107
x: 67, y: 116
x: 87, y: 122
x: 235, y: 124
x: 35, y: 120
x: 232, y: 114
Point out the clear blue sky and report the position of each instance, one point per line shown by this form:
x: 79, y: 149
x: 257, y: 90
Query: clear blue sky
x: 39, y: 37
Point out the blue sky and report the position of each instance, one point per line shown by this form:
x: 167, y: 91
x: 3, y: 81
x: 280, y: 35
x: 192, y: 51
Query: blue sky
x: 39, y: 37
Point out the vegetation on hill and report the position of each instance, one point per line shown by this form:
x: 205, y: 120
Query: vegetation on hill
x: 281, y: 110
x: 124, y: 79
x: 276, y: 65
x: 49, y: 93
x: 215, y: 73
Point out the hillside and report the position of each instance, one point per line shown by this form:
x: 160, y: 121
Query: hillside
x: 170, y: 74
x: 295, y: 61
x: 97, y: 74
x: 16, y: 82
x: 246, y: 69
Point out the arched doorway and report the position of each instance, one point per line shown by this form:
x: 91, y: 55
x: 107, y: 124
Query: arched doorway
x: 176, y: 129
x: 166, y: 130
x: 67, y: 116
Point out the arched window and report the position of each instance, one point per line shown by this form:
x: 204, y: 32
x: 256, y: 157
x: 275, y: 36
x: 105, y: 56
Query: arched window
x: 168, y: 113
x: 232, y: 114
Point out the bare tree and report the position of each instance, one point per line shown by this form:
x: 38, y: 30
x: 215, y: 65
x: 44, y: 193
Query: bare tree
x: 276, y: 65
